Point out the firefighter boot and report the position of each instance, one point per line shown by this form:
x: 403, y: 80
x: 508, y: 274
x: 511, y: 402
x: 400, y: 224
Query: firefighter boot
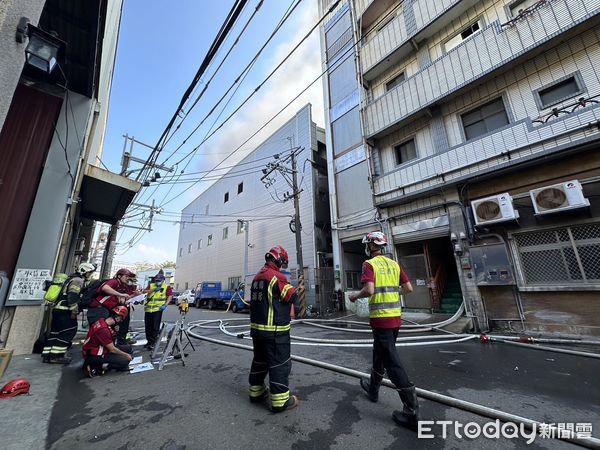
x: 409, y: 416
x: 292, y: 402
x: 371, y: 386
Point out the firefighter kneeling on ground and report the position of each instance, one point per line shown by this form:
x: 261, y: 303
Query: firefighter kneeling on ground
x: 99, y: 351
x: 271, y: 299
x: 64, y: 316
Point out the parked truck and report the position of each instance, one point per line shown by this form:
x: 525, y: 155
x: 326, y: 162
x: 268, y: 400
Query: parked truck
x: 211, y: 295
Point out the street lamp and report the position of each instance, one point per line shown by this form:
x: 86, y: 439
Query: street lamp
x: 43, y: 49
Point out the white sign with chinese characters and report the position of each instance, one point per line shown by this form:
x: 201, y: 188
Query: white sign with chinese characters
x: 28, y: 284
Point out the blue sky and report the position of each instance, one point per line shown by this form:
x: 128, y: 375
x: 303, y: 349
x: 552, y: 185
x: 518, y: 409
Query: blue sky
x: 161, y: 45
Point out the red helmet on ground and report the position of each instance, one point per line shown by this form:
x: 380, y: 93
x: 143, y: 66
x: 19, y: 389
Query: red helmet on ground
x: 279, y: 255
x: 15, y: 387
x: 120, y: 311
x: 122, y: 272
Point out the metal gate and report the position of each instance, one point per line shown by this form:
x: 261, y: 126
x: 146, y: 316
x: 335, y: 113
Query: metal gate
x: 327, y: 300
x: 417, y: 270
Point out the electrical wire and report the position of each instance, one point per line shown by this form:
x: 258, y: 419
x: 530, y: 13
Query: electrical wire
x: 217, y: 42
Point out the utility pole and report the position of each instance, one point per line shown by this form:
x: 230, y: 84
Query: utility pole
x: 298, y: 233
x: 245, y: 224
x: 295, y: 224
x: 126, y: 159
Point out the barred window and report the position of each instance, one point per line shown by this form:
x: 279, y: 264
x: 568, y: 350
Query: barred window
x: 353, y: 280
x: 233, y: 282
x: 562, y: 256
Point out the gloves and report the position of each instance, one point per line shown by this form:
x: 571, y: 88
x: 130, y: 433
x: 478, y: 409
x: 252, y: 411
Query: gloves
x: 163, y: 307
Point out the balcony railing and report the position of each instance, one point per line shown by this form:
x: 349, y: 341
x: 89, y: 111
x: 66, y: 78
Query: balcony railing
x: 388, y: 39
x: 480, y: 55
x: 510, y: 145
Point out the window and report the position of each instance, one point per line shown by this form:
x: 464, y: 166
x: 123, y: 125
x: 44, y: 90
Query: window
x: 240, y: 187
x: 183, y: 225
x: 206, y: 210
x: 353, y: 280
x: 405, y: 151
x: 463, y: 35
x: 520, y: 5
x: 226, y: 199
x: 485, y: 118
x: 559, y: 91
x: 209, y: 240
x: 180, y: 251
x: 189, y: 248
x: 233, y: 282
x: 394, y: 82
x: 563, y: 256
x: 199, y: 244
x: 186, y: 285
x: 225, y: 232
x: 240, y: 226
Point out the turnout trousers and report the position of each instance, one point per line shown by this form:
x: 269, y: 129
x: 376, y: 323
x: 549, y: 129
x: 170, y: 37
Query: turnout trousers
x: 271, y: 357
x: 152, y: 324
x: 110, y: 360
x: 62, y: 332
x: 385, y: 357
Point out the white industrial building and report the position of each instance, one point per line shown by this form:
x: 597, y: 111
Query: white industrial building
x: 469, y: 132
x: 239, y: 218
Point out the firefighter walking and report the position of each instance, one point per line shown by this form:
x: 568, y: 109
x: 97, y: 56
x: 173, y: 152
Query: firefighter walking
x: 383, y: 282
x: 64, y: 316
x: 271, y: 300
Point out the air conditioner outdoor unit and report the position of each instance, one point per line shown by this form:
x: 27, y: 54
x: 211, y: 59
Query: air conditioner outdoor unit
x: 558, y: 197
x: 497, y: 208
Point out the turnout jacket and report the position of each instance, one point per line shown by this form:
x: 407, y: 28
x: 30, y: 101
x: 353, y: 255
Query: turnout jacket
x: 271, y: 298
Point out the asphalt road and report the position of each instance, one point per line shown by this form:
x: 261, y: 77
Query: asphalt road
x: 205, y: 404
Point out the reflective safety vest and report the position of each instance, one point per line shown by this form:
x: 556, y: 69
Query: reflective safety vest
x: 385, y: 302
x: 156, y: 298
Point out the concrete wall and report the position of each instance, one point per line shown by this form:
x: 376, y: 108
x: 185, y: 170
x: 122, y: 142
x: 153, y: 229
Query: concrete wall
x: 12, y: 54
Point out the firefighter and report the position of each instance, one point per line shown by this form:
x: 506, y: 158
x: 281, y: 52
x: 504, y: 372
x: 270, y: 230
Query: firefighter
x: 271, y: 299
x: 383, y: 281
x: 64, y: 316
x: 99, y: 351
x: 159, y: 296
x: 110, y: 294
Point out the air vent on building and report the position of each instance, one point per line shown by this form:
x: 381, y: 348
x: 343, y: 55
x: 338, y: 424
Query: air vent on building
x: 558, y: 197
x: 497, y: 208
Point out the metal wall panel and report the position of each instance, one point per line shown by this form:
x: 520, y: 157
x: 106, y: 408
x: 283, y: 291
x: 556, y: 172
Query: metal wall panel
x: 346, y: 131
x: 24, y: 144
x: 342, y: 80
x: 354, y: 191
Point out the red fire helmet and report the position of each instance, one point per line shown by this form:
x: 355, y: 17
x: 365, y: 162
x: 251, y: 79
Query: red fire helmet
x: 15, y: 387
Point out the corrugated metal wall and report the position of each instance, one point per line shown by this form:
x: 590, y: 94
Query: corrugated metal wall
x: 24, y: 143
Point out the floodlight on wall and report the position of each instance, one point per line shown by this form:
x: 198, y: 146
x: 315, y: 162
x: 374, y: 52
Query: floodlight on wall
x: 43, y: 49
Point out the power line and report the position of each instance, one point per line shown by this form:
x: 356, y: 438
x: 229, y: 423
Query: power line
x: 217, y: 42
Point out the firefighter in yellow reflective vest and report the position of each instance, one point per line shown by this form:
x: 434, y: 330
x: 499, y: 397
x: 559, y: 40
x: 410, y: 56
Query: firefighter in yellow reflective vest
x: 271, y: 300
x: 64, y: 316
x: 383, y: 282
x: 159, y: 295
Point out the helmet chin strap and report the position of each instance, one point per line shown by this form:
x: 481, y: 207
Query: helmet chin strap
x: 367, y: 250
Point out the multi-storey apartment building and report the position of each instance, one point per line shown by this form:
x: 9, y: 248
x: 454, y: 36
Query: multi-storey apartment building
x: 225, y: 232
x: 469, y: 132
